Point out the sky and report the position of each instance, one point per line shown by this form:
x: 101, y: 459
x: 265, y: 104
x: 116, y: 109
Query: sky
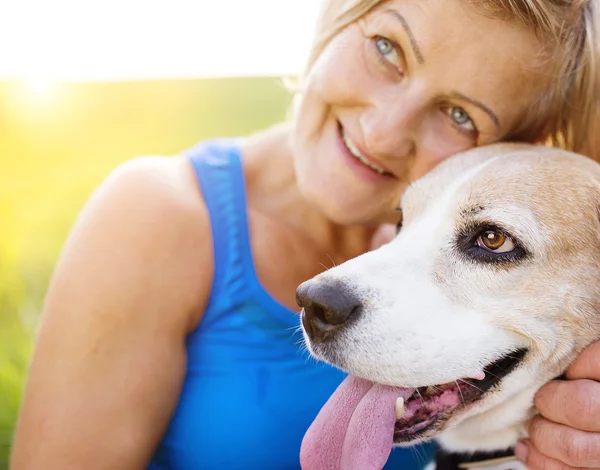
x: 44, y: 41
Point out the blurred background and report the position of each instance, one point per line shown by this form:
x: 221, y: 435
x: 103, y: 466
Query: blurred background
x: 86, y: 85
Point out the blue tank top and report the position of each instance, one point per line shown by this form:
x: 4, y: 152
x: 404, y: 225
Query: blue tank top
x: 250, y: 390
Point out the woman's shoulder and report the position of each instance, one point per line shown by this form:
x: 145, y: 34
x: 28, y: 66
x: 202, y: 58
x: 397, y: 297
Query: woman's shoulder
x: 154, y: 183
x: 149, y: 213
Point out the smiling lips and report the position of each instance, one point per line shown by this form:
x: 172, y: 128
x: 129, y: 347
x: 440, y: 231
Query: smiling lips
x: 356, y: 153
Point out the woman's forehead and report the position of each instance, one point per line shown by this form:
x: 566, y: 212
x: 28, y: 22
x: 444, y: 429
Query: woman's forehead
x: 457, y: 25
x: 454, y: 47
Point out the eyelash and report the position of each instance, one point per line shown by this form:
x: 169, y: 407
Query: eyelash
x: 457, y: 125
x: 381, y: 57
x: 386, y: 63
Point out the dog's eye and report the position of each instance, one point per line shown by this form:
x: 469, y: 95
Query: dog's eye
x: 484, y: 242
x: 495, y: 241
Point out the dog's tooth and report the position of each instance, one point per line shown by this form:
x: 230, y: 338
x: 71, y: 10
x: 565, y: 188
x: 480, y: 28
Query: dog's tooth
x: 399, y: 408
x: 479, y: 376
x: 429, y: 391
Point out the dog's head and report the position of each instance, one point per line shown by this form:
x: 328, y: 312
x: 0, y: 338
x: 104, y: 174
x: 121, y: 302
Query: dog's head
x: 495, y: 270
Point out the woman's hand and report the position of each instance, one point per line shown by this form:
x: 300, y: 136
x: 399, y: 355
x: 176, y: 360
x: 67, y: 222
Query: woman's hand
x: 566, y: 435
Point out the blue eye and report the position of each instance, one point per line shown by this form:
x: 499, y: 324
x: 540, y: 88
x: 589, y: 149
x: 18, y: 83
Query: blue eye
x: 384, y: 46
x: 461, y: 118
x: 389, y: 51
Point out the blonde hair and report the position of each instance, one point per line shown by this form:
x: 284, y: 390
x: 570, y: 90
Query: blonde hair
x: 568, y: 115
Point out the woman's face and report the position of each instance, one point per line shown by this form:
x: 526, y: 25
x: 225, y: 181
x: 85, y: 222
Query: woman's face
x: 406, y: 86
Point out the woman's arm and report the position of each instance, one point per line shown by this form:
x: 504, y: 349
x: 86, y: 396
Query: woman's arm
x: 109, y: 359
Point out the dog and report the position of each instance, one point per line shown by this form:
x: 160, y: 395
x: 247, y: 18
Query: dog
x: 489, y: 290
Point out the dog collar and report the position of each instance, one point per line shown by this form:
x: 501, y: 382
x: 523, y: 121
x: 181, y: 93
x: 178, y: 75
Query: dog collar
x: 503, y: 463
x: 499, y: 460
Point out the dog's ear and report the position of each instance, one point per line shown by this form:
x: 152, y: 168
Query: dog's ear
x: 597, y: 195
x: 597, y: 204
x: 595, y: 184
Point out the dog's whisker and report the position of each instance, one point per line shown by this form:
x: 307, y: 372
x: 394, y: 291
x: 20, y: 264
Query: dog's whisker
x: 460, y: 392
x: 332, y: 262
x: 308, y: 357
x: 419, y: 454
x: 333, y: 265
x: 512, y: 357
x: 471, y: 385
x: 493, y: 375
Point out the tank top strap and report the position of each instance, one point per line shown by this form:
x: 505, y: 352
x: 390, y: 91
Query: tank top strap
x: 218, y: 167
x: 219, y: 171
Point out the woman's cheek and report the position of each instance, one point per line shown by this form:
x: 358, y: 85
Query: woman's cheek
x: 344, y: 74
x: 439, y: 141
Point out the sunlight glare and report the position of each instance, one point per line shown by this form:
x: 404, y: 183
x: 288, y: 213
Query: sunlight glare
x: 71, y: 40
x: 40, y: 88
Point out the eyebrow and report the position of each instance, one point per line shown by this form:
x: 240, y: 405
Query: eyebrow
x: 421, y: 60
x: 481, y: 106
x: 409, y: 33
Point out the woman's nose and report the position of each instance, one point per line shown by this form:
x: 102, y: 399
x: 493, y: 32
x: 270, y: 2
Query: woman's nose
x: 389, y: 128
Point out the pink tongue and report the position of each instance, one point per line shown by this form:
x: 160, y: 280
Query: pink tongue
x: 355, y: 428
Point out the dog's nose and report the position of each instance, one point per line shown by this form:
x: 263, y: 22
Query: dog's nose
x: 327, y: 306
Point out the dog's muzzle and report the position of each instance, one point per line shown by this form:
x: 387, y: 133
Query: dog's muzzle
x: 327, y: 307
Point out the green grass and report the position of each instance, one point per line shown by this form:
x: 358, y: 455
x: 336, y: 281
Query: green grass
x: 55, y: 149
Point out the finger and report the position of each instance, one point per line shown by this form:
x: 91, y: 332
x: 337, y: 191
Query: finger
x: 565, y: 444
x: 587, y: 364
x: 574, y: 403
x: 535, y: 460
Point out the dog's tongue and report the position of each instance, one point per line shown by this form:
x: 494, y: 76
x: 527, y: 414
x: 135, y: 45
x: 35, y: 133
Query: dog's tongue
x: 355, y: 428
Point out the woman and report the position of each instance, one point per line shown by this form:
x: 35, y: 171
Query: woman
x: 168, y: 337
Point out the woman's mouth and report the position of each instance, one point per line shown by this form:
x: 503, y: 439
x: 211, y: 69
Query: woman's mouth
x: 359, y: 156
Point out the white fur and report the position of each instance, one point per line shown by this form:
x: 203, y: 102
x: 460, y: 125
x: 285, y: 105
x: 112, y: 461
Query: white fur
x: 431, y: 316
